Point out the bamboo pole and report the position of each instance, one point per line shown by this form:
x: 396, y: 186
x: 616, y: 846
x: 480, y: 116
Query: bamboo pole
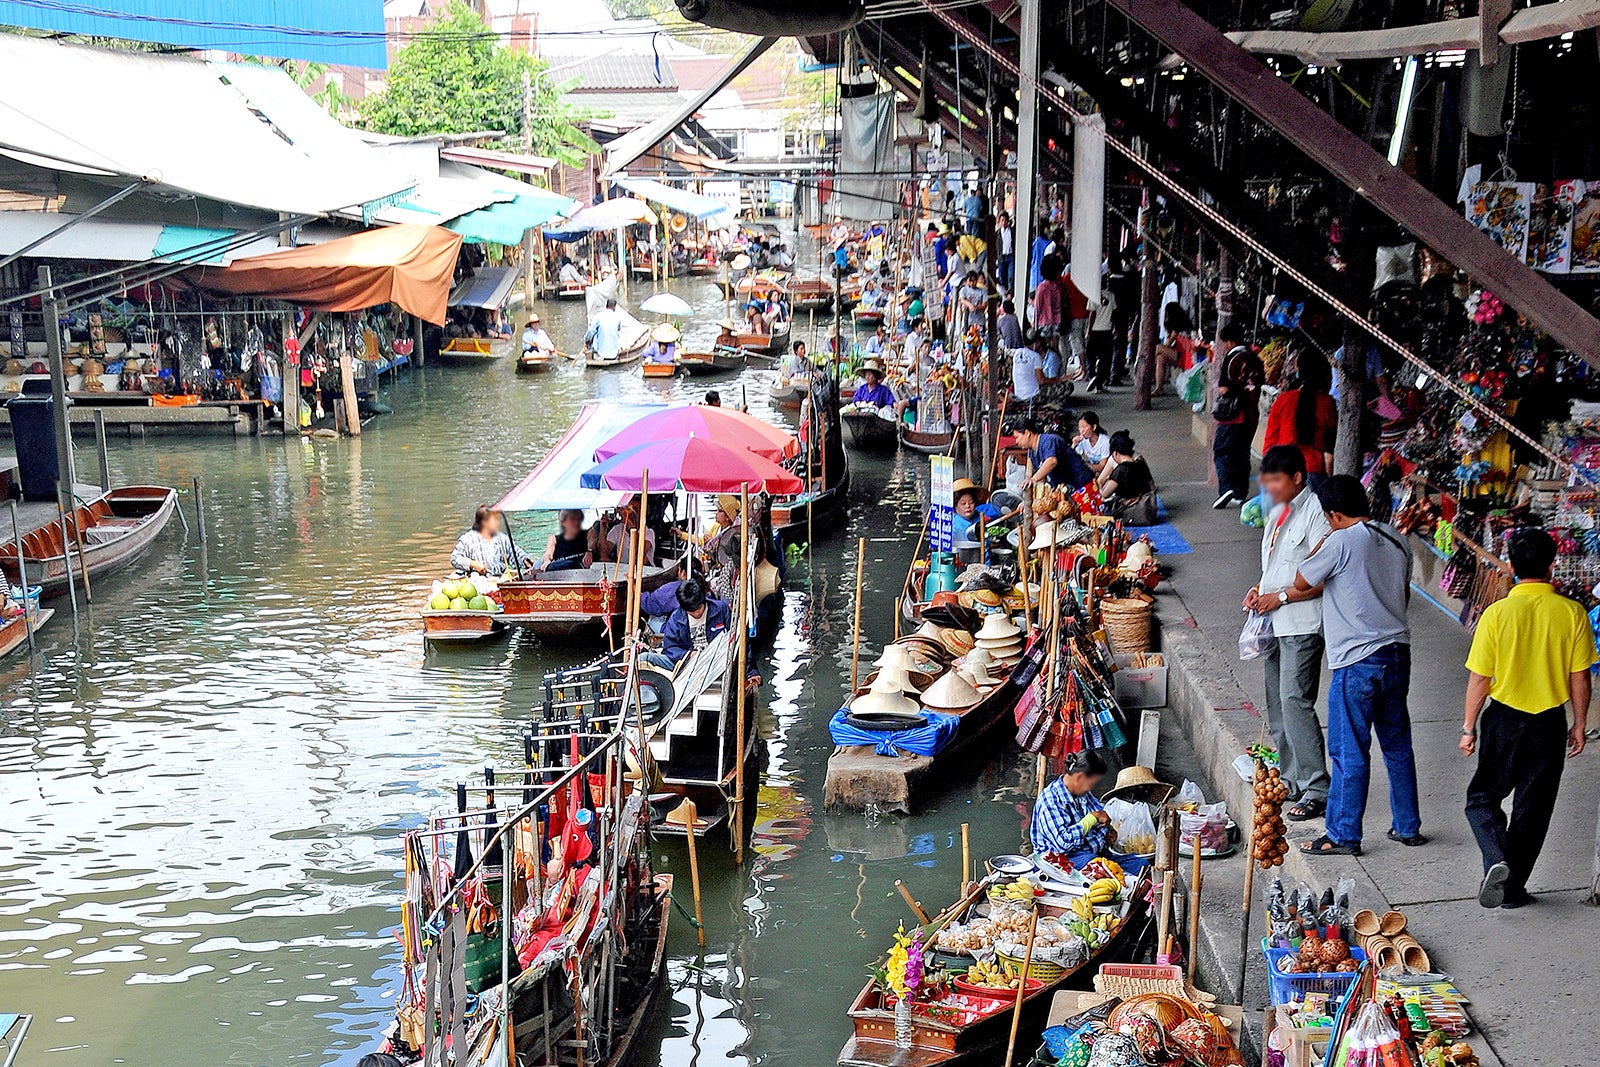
x: 1249, y: 890
x: 916, y: 908
x: 855, y: 649
x: 1022, y: 986
x: 83, y: 564
x: 999, y: 432
x: 693, y: 814
x: 966, y: 857
x: 1195, y: 877
x: 739, y: 681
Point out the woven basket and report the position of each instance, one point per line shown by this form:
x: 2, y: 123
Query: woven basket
x: 1043, y: 970
x: 1127, y: 624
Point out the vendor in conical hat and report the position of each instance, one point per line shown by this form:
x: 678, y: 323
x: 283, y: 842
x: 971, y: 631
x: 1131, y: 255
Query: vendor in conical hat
x: 872, y: 390
x: 727, y: 338
x: 663, y: 346
x: 1070, y: 822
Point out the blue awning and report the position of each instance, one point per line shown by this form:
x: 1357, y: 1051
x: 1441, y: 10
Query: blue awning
x: 486, y: 287
x: 506, y: 223
x: 693, y: 205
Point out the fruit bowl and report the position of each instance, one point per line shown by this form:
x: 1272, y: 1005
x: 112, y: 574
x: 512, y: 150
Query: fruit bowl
x: 1030, y: 985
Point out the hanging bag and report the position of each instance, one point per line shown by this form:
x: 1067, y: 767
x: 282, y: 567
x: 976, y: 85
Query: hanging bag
x: 1257, y: 638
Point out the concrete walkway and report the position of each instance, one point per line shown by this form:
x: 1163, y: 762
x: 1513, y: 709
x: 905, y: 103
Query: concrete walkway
x: 1529, y: 972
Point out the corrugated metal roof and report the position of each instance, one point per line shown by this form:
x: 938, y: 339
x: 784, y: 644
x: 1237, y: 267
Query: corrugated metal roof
x: 486, y: 287
x: 118, y: 240
x: 616, y: 72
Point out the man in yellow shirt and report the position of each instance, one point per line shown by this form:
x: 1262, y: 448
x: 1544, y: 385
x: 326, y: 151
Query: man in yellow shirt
x: 1531, y: 654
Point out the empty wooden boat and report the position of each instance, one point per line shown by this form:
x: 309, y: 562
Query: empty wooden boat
x: 102, y: 535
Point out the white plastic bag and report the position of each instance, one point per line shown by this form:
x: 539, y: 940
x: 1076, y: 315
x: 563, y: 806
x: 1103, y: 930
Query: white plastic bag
x: 1256, y: 639
x: 1136, y: 830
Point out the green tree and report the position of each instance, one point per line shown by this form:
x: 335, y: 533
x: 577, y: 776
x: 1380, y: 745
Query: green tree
x: 456, y: 77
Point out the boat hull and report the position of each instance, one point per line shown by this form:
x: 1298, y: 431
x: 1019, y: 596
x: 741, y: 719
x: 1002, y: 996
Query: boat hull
x: 458, y: 627
x: 14, y: 634
x: 660, y: 370
x: 701, y: 364
x: 797, y: 519
x: 557, y: 608
x: 475, y: 349
x: 931, y: 444
x: 871, y: 433
x: 773, y: 344
x: 117, y: 529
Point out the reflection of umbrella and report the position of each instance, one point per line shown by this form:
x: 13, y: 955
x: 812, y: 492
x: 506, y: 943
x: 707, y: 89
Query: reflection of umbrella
x: 692, y: 464
x: 666, y: 304
x: 722, y: 426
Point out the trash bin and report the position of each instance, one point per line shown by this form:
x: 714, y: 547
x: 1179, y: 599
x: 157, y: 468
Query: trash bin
x: 33, y: 431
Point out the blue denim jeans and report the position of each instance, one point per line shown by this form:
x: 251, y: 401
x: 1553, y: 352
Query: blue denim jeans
x: 1366, y: 697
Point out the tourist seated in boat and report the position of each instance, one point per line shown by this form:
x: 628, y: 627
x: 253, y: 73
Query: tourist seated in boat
x: 497, y: 325
x: 569, y: 274
x: 659, y: 604
x: 1054, y: 461
x: 878, y: 343
x: 691, y: 626
x: 1069, y: 821
x: 872, y: 297
x: 872, y: 390
x: 604, y: 338
x: 781, y: 258
x: 1127, y: 487
x: 485, y: 549
x: 568, y: 548
x: 663, y: 346
x: 795, y: 365
x: 968, y: 497
x: 727, y: 340
x: 534, y: 337
x: 756, y: 319
x: 619, y: 543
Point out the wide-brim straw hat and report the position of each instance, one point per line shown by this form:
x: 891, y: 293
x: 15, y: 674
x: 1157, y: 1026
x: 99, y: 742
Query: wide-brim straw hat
x: 894, y: 679
x: 998, y: 628
x: 727, y: 324
x: 666, y: 333
x: 874, y: 366
x: 951, y: 693
x: 894, y: 656
x: 1045, y: 537
x: 873, y: 702
x: 740, y: 262
x: 967, y: 485
x: 978, y: 673
x: 533, y: 318
x: 1140, y: 784
x: 957, y: 642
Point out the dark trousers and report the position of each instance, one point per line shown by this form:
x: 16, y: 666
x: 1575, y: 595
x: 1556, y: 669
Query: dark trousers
x: 1230, y: 453
x: 1100, y: 355
x: 1520, y: 756
x: 1006, y: 272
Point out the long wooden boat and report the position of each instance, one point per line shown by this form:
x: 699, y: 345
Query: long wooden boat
x: 935, y: 1043
x: 113, y: 530
x: 859, y: 778
x: 14, y: 633
x: 565, y: 604
x: 572, y: 291
x: 775, y: 343
x: 931, y: 444
x: 788, y: 396
x: 721, y: 361
x: 475, y: 349
x: 796, y: 519
x: 632, y: 347
x: 870, y: 432
x: 810, y: 294
x: 865, y: 318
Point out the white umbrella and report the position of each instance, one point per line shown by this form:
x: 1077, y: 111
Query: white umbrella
x: 666, y: 304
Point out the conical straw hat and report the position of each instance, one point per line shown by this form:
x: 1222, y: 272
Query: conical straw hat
x: 873, y: 702
x: 950, y: 693
x: 893, y: 679
x: 998, y: 628
x: 894, y: 656
x: 977, y: 672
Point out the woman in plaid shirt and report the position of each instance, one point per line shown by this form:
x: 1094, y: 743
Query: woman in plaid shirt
x: 1070, y: 821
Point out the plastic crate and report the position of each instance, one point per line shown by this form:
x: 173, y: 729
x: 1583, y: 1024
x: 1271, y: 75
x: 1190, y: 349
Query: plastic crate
x: 1292, y: 987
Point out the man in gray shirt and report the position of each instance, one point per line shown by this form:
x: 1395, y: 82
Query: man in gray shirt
x: 1364, y: 571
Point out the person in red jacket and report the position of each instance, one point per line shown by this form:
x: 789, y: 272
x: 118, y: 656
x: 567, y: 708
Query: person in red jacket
x: 1048, y: 298
x: 1306, y: 417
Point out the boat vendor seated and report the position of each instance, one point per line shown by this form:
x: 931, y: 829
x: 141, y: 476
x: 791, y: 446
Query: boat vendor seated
x: 756, y: 319
x: 968, y: 495
x: 796, y: 365
x: 619, y: 539
x: 659, y: 604
x: 691, y: 626
x: 485, y: 549
x: 726, y: 518
x: 663, y: 346
x: 569, y: 274
x: 568, y: 548
x: 1054, y: 461
x: 1070, y: 821
x: 872, y: 297
x: 878, y: 343
x: 727, y: 338
x: 872, y: 390
x: 534, y: 337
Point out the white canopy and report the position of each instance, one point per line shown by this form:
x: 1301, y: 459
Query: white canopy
x: 555, y: 483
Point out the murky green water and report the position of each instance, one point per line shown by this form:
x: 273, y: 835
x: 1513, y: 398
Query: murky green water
x: 204, y: 784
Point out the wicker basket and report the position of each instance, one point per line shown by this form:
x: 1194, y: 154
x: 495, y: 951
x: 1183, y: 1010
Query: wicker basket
x: 1127, y: 624
x: 1043, y: 970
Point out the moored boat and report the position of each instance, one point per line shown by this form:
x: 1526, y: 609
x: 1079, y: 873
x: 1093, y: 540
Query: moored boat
x: 810, y: 294
x: 866, y: 318
x: 721, y: 361
x: 14, y: 631
x: 931, y: 444
x: 104, y: 534
x: 475, y: 349
x: 871, y: 431
x: 660, y: 370
x: 775, y: 343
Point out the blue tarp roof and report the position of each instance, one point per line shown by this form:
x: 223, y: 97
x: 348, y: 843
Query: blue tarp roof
x: 694, y: 205
x: 347, y: 32
x: 506, y: 223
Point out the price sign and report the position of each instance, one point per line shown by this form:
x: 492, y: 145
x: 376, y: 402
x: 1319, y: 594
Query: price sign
x: 941, y: 523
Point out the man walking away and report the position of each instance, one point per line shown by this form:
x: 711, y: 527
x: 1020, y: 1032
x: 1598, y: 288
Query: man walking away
x: 1237, y: 411
x: 1364, y: 571
x: 1530, y: 655
x: 1102, y: 323
x: 1295, y: 526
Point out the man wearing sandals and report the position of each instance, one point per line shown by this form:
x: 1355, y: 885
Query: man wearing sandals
x: 1531, y: 654
x: 1364, y: 571
x: 1295, y: 526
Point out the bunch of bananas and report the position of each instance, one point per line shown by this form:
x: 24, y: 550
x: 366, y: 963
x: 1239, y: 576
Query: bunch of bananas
x: 1096, y: 930
x: 986, y: 974
x: 1104, y: 890
x: 1020, y: 890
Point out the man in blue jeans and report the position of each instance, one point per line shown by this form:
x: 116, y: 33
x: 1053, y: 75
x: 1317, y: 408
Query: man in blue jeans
x: 1364, y: 571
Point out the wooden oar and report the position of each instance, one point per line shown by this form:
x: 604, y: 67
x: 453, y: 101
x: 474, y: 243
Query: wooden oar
x: 916, y: 909
x: 1022, y: 986
x: 855, y: 650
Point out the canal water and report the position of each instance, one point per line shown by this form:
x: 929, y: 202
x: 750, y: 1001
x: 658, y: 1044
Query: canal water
x: 204, y: 781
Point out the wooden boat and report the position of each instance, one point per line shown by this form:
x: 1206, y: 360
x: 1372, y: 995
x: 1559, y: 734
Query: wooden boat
x: 459, y: 627
x: 634, y: 338
x: 722, y: 361
x: 572, y: 291
x: 14, y: 633
x: 810, y: 294
x: 858, y: 777
x: 114, y: 530
x: 775, y: 343
x: 538, y: 360
x: 787, y: 396
x: 570, y: 603
x: 864, y: 318
x: 931, y: 444
x: 936, y: 1043
x: 475, y: 349
x: 871, y: 432
x: 660, y: 370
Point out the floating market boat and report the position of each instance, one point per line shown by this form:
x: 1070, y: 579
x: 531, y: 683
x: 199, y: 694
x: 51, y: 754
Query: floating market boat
x: 538, y: 360
x: 571, y: 291
x: 866, y: 318
x: 475, y: 349
x: 810, y: 294
x: 660, y: 370
x: 635, y: 336
x: 103, y: 535
x: 871, y: 430
x: 14, y: 631
x: 721, y: 361
x: 930, y: 444
x: 787, y: 395
x: 973, y: 1028
x: 775, y: 343
x: 823, y: 507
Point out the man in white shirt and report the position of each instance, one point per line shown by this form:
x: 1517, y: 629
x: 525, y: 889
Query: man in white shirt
x: 1296, y: 525
x: 605, y: 332
x: 1006, y: 268
x: 1027, y: 370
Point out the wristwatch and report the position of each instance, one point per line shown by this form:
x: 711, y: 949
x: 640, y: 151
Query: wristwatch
x: 1469, y: 733
x: 1283, y: 596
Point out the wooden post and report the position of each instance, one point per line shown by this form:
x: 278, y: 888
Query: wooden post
x: 966, y: 858
x: 693, y: 816
x: 347, y: 383
x: 1022, y: 986
x: 1250, y: 863
x: 291, y: 378
x: 417, y: 349
x: 100, y: 448
x: 1144, y: 373
x: 739, y: 681
x: 1195, y: 878
x: 855, y: 650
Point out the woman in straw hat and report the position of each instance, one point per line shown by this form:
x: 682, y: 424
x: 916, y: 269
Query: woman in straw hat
x: 872, y: 390
x: 727, y: 338
x: 663, y: 346
x: 968, y: 497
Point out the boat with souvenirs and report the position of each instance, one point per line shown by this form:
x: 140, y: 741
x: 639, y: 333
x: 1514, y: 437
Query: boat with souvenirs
x: 964, y: 1013
x: 103, y: 533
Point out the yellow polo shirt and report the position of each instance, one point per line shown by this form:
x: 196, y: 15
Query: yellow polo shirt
x: 1530, y: 643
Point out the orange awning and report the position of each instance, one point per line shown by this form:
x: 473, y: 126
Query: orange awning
x: 409, y: 265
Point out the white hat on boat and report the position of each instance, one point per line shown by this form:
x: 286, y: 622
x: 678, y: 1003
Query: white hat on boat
x: 951, y: 693
x: 998, y: 628
x: 894, y: 679
x: 873, y: 702
x: 895, y: 656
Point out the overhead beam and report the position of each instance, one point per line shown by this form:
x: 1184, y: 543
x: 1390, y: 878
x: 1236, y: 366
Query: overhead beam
x: 1351, y: 160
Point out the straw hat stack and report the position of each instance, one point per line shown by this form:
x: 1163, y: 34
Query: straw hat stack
x: 895, y: 679
x: 951, y: 694
x: 976, y: 668
x: 954, y: 642
x: 1001, y: 638
x: 921, y: 655
x: 885, y: 697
